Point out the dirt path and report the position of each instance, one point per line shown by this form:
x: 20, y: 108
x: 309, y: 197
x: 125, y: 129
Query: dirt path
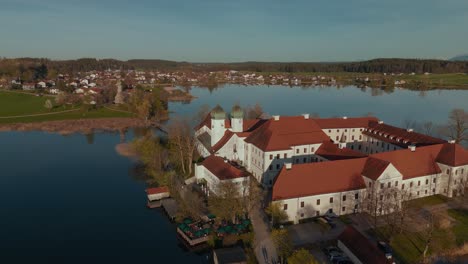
x: 43, y: 114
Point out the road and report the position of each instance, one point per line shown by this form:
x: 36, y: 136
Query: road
x: 264, y: 247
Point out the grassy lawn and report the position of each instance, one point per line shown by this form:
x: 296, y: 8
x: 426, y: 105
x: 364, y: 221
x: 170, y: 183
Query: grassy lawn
x: 14, y: 104
x: 427, y: 201
x: 21, y: 104
x: 408, y: 247
x: 460, y: 229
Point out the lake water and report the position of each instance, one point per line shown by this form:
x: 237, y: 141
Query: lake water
x: 73, y: 199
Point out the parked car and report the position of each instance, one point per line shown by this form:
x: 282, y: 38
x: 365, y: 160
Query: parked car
x: 335, y: 256
x: 329, y: 250
x: 386, y: 249
x: 343, y: 261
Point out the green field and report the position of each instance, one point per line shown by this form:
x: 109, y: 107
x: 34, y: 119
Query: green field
x: 17, y: 104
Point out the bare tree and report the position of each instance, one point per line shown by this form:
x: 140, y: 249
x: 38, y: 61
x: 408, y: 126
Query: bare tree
x: 182, y: 144
x: 408, y: 123
x: 226, y: 204
x: 457, y: 127
x: 253, y: 112
x: 428, y: 128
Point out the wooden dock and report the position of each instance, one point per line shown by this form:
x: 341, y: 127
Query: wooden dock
x: 192, y: 242
x: 170, y: 207
x: 153, y: 204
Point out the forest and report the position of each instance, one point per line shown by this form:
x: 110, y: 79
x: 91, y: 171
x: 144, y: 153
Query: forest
x: 15, y: 67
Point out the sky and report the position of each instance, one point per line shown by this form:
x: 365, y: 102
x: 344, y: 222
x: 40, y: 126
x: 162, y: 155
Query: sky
x: 236, y: 30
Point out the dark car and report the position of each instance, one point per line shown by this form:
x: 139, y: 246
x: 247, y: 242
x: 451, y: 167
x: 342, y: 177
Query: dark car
x: 386, y: 249
x: 329, y: 251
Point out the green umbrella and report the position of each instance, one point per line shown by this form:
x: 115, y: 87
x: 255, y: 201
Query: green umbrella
x: 199, y: 233
x: 211, y: 216
x: 187, y: 221
x: 221, y: 230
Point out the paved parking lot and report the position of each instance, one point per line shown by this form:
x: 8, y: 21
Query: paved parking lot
x: 311, y: 233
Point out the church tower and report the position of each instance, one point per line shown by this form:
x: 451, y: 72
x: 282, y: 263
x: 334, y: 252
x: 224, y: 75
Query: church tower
x: 237, y: 119
x: 218, y: 119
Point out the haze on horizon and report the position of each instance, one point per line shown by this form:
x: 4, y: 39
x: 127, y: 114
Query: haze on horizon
x: 230, y: 31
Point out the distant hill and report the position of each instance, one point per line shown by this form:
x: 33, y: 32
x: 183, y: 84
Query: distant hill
x: 460, y: 58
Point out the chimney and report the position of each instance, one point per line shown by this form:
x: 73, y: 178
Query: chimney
x: 345, y: 117
x: 409, y: 130
x: 380, y: 122
x: 451, y: 141
x: 276, y: 117
x: 412, y: 148
x: 306, y: 116
x: 288, y: 165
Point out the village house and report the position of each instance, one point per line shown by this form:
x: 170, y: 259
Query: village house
x: 318, y: 166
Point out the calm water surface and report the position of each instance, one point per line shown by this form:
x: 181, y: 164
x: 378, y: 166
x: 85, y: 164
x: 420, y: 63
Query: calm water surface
x: 64, y: 200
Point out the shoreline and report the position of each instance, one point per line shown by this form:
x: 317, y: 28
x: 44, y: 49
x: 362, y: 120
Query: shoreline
x: 83, y: 126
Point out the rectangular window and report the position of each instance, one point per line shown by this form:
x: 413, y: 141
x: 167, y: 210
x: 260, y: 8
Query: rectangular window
x: 344, y: 198
x: 396, y: 184
x: 427, y: 181
x: 317, y: 213
x: 419, y: 183
x: 331, y: 199
x: 382, y: 186
x: 305, y: 160
x: 277, y: 166
x: 285, y: 155
x: 285, y: 207
x: 297, y: 151
x: 305, y: 150
x: 271, y: 157
x: 434, y: 180
x: 356, y: 196
x: 270, y: 167
x: 389, y: 184
x: 403, y: 186
x: 302, y: 204
x: 318, y: 201
x: 278, y: 156
x: 411, y: 184
x: 343, y: 209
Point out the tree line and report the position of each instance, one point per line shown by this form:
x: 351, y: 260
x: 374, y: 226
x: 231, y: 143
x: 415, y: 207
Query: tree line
x: 12, y: 67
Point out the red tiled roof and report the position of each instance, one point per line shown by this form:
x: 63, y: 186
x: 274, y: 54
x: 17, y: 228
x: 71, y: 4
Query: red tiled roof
x: 374, y: 168
x: 385, y: 133
x: 227, y: 136
x: 326, y: 123
x: 330, y: 151
x: 413, y: 164
x: 453, y: 155
x: 286, y: 132
x: 221, y: 169
x: 319, y: 178
x: 157, y: 190
x: 365, y: 250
